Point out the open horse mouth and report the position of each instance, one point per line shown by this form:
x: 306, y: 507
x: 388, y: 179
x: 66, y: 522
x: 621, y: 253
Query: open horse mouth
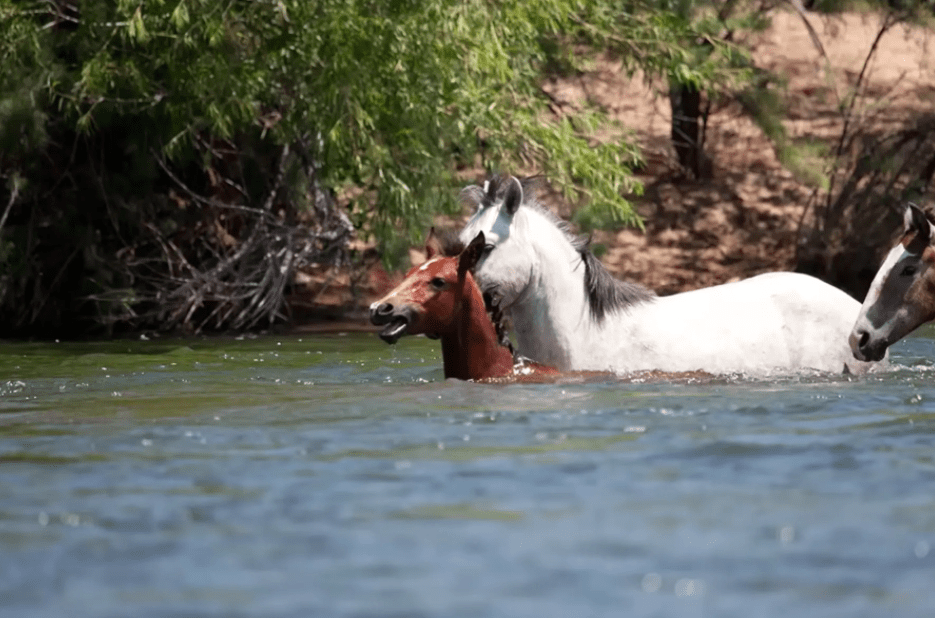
x: 396, y: 320
x: 394, y: 330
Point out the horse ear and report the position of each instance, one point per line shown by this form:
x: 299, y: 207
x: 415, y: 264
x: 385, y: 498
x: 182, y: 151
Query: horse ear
x: 473, y: 196
x: 490, y: 189
x: 916, y: 221
x: 513, y: 197
x: 471, y: 254
x: 433, y: 246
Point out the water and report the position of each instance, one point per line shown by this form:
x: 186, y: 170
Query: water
x: 337, y: 476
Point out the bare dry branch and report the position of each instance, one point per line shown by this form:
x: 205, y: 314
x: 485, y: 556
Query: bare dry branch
x: 196, y: 281
x: 14, y: 195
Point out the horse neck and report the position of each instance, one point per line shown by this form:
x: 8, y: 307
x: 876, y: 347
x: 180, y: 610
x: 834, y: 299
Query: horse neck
x: 555, y: 303
x: 473, y: 351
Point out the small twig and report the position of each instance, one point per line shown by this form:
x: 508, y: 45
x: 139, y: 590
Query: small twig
x: 847, y: 132
x: 38, y: 309
x: 324, y: 286
x: 848, y: 115
x: 813, y: 35
x: 14, y: 194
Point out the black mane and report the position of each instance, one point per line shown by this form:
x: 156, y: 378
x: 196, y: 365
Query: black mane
x: 605, y: 293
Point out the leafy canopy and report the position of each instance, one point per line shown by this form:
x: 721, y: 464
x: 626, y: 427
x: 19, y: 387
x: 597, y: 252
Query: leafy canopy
x: 391, y: 93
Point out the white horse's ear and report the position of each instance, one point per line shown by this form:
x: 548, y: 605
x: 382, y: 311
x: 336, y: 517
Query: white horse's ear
x: 513, y: 197
x: 915, y: 221
x: 490, y: 189
x: 473, y: 196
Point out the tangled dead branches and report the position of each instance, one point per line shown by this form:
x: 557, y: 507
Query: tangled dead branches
x: 232, y: 269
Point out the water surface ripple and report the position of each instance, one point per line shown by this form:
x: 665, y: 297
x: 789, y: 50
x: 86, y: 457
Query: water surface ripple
x: 337, y: 476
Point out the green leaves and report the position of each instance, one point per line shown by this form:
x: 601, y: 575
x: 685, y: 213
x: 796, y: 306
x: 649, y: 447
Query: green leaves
x: 137, y: 27
x: 179, y: 16
x: 393, y: 96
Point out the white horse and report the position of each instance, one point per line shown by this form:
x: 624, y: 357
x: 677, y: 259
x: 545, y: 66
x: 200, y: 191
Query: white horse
x: 568, y: 312
x: 902, y: 295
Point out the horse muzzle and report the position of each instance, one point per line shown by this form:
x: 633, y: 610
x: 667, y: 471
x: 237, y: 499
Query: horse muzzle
x: 396, y: 319
x: 866, y: 347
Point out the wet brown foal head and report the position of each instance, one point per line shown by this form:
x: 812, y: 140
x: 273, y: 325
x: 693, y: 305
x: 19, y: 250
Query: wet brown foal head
x: 441, y: 300
x: 430, y: 299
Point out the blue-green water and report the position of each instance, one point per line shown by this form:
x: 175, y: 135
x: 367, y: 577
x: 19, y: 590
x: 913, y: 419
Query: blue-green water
x: 336, y: 476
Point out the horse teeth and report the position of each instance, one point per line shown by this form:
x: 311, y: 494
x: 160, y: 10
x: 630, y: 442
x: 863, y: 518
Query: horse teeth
x: 394, y: 330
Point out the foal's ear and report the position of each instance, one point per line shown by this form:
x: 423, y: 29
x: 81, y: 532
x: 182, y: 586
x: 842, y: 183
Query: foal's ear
x: 514, y: 196
x: 916, y: 221
x: 471, y: 254
x: 433, y: 246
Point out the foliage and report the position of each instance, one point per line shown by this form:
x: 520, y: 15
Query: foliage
x: 145, y: 143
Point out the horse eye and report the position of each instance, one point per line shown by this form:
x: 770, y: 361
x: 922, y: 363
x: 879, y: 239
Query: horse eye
x: 437, y: 282
x: 908, y: 271
x: 488, y: 249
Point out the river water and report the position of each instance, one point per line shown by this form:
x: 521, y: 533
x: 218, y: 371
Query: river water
x: 336, y: 476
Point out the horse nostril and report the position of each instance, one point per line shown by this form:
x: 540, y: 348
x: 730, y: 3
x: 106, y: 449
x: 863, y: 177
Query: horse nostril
x: 863, y: 340
x: 381, y: 313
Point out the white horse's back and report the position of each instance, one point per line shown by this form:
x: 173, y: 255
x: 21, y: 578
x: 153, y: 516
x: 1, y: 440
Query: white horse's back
x: 772, y: 323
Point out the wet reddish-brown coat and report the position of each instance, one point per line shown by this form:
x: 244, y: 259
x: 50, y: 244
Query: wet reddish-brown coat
x: 456, y: 314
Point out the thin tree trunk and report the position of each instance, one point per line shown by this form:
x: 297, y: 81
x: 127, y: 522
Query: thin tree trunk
x: 686, y: 135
